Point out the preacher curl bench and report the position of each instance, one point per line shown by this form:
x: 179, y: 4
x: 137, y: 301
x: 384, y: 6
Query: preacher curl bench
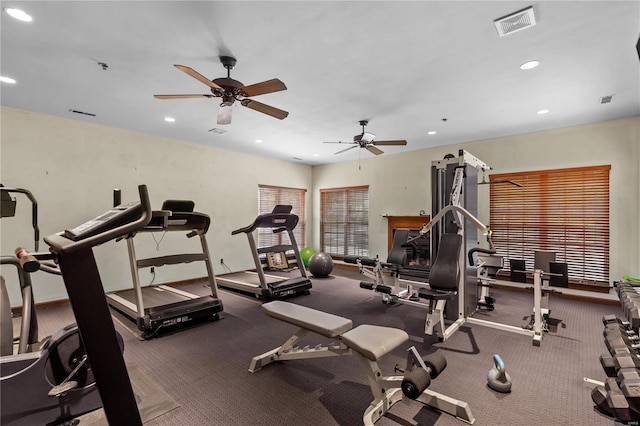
x: 368, y: 343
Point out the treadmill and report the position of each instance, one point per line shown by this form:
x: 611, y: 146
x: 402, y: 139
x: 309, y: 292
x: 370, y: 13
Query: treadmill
x: 157, y: 308
x: 257, y: 282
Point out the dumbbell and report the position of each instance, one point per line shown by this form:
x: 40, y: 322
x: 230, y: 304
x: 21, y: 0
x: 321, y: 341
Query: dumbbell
x: 611, y: 400
x: 608, y: 365
x: 613, y: 330
x: 418, y: 379
x: 607, y: 320
x: 625, y: 361
x: 616, y: 341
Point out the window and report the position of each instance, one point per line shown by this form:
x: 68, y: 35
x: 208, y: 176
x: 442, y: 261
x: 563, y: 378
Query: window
x: 271, y: 196
x: 344, y: 221
x: 565, y: 211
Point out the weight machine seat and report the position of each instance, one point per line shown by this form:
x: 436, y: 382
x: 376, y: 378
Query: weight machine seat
x: 372, y: 341
x: 323, y: 323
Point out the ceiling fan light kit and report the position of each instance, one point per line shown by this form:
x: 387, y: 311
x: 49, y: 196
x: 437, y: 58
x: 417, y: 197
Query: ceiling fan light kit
x: 230, y: 90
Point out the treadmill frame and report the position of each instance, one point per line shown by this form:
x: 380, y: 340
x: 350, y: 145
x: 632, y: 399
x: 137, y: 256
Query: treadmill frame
x: 269, y: 286
x: 186, y: 308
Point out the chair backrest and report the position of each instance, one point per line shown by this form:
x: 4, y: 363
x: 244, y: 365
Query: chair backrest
x: 445, y: 272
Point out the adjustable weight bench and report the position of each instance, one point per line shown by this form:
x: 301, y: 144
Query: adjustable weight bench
x: 368, y: 343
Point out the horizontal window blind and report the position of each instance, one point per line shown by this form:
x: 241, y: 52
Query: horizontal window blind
x: 271, y: 196
x: 344, y: 222
x: 562, y: 210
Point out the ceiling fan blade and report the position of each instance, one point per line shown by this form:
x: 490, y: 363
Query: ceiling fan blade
x: 265, y: 109
x: 338, y: 142
x: 195, y: 74
x: 372, y: 149
x: 224, y: 114
x: 347, y: 149
x: 265, y: 87
x: 181, y: 96
x: 389, y: 143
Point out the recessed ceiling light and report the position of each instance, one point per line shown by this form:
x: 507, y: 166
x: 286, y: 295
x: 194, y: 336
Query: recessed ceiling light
x: 432, y: 132
x: 7, y: 80
x: 18, y: 14
x: 169, y: 119
x: 529, y: 65
x: 543, y: 111
x: 316, y: 155
x: 258, y: 141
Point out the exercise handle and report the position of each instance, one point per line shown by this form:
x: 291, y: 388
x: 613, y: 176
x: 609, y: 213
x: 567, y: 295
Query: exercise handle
x: 478, y: 250
x: 498, y: 363
x: 28, y: 263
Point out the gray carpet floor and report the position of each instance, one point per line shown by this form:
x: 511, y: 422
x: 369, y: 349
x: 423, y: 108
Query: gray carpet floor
x: 204, y: 368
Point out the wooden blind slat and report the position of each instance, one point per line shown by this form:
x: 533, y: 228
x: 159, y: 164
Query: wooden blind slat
x: 563, y: 210
x: 269, y: 197
x: 344, y: 221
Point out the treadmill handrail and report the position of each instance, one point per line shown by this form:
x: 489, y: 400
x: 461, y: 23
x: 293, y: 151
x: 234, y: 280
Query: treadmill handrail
x: 34, y: 210
x: 195, y: 221
x: 280, y: 221
x: 60, y: 244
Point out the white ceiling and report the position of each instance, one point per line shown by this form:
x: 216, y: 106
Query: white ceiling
x: 404, y: 66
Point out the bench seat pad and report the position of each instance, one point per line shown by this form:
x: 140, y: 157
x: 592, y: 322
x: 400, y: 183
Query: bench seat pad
x: 374, y: 341
x: 323, y: 323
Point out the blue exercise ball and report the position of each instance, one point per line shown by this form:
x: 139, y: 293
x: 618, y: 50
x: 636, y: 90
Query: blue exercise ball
x: 320, y: 265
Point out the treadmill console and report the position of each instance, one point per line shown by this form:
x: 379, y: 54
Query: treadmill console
x: 117, y: 216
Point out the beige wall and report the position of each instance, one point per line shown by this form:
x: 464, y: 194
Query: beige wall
x: 72, y: 167
x: 400, y: 184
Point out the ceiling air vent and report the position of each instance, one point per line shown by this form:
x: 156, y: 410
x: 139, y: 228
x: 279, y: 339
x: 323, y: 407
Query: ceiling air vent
x: 606, y: 99
x: 515, y: 22
x: 217, y: 131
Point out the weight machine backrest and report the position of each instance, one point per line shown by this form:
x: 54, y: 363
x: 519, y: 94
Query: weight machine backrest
x: 445, y: 270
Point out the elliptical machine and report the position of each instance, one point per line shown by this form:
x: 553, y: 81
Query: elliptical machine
x: 48, y: 381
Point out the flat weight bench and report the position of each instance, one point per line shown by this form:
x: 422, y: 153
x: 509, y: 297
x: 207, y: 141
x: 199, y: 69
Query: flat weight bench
x: 369, y: 343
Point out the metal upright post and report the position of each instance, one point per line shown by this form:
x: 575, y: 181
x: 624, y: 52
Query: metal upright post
x: 86, y: 294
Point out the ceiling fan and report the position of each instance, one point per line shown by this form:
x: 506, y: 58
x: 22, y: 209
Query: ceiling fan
x: 231, y: 90
x: 366, y: 140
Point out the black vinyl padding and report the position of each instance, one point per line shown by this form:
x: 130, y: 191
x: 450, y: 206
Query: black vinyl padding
x: 562, y: 269
x: 517, y: 267
x: 398, y: 254
x: 184, y: 206
x: 351, y: 259
x: 444, y: 271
